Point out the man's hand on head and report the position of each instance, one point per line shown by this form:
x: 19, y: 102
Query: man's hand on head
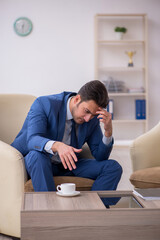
x: 66, y: 154
x: 106, y: 118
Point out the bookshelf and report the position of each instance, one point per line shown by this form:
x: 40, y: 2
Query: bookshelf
x: 111, y: 63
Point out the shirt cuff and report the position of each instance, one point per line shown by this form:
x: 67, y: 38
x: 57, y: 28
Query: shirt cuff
x: 48, y: 147
x: 107, y: 140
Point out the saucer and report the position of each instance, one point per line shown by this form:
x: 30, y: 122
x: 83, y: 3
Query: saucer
x: 68, y: 194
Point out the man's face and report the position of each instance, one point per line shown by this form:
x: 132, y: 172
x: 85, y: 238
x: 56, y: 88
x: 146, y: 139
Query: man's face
x: 84, y: 111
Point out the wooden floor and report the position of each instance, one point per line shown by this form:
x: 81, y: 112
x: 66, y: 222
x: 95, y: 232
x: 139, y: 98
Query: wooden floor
x: 122, y: 155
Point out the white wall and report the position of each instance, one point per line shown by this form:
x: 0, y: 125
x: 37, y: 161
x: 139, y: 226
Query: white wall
x: 59, y: 54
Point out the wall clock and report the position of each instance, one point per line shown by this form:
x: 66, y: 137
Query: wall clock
x: 23, y: 26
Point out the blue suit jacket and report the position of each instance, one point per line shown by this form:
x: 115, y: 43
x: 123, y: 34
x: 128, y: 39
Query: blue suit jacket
x: 46, y: 121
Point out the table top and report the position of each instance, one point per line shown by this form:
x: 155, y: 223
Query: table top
x: 87, y: 200
x: 51, y: 201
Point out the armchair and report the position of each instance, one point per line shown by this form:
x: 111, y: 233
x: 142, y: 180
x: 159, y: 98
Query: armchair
x: 145, y: 157
x: 13, y: 176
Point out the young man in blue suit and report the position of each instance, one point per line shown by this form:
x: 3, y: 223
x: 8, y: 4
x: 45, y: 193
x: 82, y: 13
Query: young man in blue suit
x: 51, y: 145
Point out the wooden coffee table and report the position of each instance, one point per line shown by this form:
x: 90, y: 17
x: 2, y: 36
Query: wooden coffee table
x: 46, y: 216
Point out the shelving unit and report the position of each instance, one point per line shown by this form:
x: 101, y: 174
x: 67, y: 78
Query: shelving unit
x: 111, y: 61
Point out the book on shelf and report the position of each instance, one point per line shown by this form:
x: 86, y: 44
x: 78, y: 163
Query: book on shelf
x: 140, y: 107
x: 143, y: 108
x: 110, y: 107
x: 148, y: 193
x: 136, y: 90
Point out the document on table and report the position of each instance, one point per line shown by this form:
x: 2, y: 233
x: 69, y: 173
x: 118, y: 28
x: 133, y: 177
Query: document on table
x: 148, y: 193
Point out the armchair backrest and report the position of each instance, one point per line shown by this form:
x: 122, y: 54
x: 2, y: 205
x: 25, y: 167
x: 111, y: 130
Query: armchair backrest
x: 13, y: 111
x: 145, y: 150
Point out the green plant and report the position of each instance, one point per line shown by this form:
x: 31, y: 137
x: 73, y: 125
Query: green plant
x: 120, y: 29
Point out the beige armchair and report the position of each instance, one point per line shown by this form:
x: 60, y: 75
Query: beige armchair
x: 13, y: 176
x: 145, y: 156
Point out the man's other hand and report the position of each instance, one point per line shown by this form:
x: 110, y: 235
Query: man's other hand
x: 106, y: 118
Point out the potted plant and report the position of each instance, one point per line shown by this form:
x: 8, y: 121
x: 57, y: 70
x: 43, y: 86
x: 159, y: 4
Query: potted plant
x: 119, y: 32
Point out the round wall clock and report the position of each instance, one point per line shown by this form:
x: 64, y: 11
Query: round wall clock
x: 23, y: 26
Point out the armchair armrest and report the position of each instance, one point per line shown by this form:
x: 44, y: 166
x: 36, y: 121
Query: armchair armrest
x: 145, y: 150
x: 12, y: 178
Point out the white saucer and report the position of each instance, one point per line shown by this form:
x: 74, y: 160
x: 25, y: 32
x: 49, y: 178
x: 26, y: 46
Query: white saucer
x: 68, y: 194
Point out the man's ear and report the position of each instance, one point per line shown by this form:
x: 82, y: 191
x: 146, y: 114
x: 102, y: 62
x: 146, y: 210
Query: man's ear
x: 77, y: 99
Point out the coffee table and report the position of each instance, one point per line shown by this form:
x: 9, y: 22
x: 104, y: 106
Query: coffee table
x: 45, y: 215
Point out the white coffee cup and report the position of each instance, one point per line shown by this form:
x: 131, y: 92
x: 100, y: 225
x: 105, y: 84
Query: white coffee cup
x: 66, y: 188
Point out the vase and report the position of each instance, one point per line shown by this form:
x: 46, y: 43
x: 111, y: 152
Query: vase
x: 119, y: 35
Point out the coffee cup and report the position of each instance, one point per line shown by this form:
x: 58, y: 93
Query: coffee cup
x: 66, y: 188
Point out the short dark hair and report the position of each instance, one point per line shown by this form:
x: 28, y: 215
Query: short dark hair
x: 94, y: 90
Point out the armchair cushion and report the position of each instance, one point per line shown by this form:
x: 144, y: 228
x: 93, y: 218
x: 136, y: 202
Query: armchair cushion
x: 146, y: 178
x: 82, y: 184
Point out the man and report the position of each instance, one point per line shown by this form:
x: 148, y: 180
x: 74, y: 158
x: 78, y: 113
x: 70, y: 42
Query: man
x: 51, y: 146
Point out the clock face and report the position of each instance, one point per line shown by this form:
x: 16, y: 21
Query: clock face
x: 23, y: 26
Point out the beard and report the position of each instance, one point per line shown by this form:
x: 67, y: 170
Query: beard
x: 78, y: 120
